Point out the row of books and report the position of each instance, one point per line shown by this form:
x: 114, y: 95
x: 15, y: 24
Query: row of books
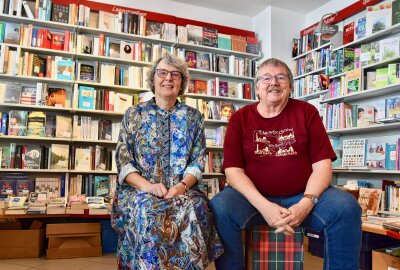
x: 31, y: 64
x: 218, y: 88
x: 119, y: 48
x: 310, y: 84
x: 128, y: 22
x: 30, y: 36
x: 212, y: 110
x: 358, y: 153
x: 232, y: 64
x: 345, y: 115
x: 311, y: 62
x: 47, y: 124
x: 57, y: 157
x: 213, y: 162
x: 215, y: 135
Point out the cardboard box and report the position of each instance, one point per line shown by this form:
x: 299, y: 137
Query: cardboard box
x: 384, y: 261
x: 16, y: 244
x: 73, y: 240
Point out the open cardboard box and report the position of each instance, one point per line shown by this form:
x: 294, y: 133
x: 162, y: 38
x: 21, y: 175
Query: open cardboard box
x: 73, y: 240
x: 384, y: 261
x: 17, y: 243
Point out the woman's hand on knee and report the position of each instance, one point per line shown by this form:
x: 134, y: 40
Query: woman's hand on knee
x: 176, y: 190
x: 158, y: 190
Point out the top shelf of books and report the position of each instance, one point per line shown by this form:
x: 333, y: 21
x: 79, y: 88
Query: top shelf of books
x: 126, y: 25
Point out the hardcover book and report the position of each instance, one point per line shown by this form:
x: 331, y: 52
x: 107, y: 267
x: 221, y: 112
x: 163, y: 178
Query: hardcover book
x: 389, y: 48
x: 369, y: 199
x: 337, y: 146
x: 64, y: 68
x: 395, y: 12
x: 379, y: 17
x: 17, y: 123
x: 5, y: 156
x: 376, y: 155
x: 210, y: 37
x: 50, y: 126
x: 57, y: 41
x: 195, y: 34
x: 126, y: 50
x: 88, y: 72
x: 87, y: 44
x: 59, y: 13
x: 227, y: 110
x: 101, y: 185
x: 59, y: 156
x: 7, y: 187
x: 203, y: 61
x: 63, y: 126
x: 361, y: 28
x: 115, y: 50
x: 390, y: 158
x: 200, y: 87
x: 106, y: 21
x: 86, y: 97
x: 39, y: 66
x: 154, y: 29
x: 56, y: 97
x: 191, y: 59
x: 12, y: 93
x: 327, y: 32
x: 348, y: 33
x: 366, y: 115
x: 83, y: 159
x: 28, y: 95
x: 353, y: 153
x: 353, y: 81
x: 224, y: 89
x: 36, y: 124
x: 12, y: 33
x: 32, y: 157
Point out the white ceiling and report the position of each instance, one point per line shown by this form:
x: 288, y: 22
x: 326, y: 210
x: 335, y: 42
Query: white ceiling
x: 251, y: 8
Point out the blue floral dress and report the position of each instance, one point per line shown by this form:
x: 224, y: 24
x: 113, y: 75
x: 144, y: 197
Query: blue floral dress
x: 154, y: 233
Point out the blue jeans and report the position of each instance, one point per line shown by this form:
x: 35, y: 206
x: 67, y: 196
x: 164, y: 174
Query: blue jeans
x: 337, y: 214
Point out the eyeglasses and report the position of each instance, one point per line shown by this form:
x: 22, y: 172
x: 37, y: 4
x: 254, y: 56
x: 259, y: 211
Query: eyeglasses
x: 163, y: 73
x: 267, y: 78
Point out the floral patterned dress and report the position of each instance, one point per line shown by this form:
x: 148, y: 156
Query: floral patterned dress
x: 155, y: 233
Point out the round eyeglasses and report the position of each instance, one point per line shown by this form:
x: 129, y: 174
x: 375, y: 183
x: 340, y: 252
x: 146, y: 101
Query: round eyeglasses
x: 267, y: 78
x: 163, y: 73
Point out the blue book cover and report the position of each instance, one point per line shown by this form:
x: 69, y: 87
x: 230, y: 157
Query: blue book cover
x: 86, y: 97
x: 337, y: 146
x: 390, y: 156
x: 101, y: 185
x: 64, y: 69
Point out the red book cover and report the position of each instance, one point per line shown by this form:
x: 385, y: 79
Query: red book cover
x: 67, y: 37
x: 46, y: 39
x: 101, y: 45
x: 348, y: 33
x: 252, y: 40
x: 247, y: 92
x: 106, y: 100
x: 57, y: 42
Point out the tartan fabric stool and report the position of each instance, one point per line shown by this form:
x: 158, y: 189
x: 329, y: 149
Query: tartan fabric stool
x: 266, y: 250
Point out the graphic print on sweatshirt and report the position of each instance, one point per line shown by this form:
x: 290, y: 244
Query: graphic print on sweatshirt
x: 277, y: 143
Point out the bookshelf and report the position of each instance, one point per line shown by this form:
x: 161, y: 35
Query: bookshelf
x: 342, y: 107
x: 71, y: 109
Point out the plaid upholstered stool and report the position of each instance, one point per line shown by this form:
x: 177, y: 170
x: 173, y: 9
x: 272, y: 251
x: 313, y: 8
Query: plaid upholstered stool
x: 266, y: 250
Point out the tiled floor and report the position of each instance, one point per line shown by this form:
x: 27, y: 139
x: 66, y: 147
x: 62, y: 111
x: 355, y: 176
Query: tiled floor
x: 107, y: 262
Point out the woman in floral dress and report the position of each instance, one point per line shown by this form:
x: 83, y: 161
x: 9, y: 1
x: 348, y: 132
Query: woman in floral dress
x: 162, y: 218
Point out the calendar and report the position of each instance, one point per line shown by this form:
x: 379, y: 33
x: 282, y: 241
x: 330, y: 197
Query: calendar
x: 353, y: 153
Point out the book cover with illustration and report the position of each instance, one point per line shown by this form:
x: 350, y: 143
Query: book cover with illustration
x: 378, y: 18
x: 36, y: 124
x: 210, y: 37
x: 353, y: 81
x: 86, y: 97
x: 59, y: 13
x: 17, y: 123
x: 376, y: 155
x: 154, y: 29
x: 101, y: 185
x: 191, y: 59
x: 59, y: 156
x: 56, y: 97
x: 203, y: 61
x: 366, y: 115
x: 63, y: 126
x: 32, y: 157
x: 361, y: 27
x: 227, y: 109
x: 195, y: 34
x: 12, y: 92
x: 348, y: 33
x: 369, y: 199
x: 126, y: 50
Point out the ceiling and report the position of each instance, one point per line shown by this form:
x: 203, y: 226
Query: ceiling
x: 251, y: 8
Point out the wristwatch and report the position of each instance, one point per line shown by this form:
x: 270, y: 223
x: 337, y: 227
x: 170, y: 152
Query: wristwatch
x: 313, y: 198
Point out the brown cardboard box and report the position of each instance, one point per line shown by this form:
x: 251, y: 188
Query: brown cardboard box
x: 16, y: 244
x: 382, y: 260
x: 73, y: 240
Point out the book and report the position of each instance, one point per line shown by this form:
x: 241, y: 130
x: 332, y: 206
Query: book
x: 389, y: 48
x: 337, y: 146
x: 63, y: 126
x: 210, y: 37
x: 361, y: 28
x: 17, y: 123
x: 366, y: 115
x: 64, y: 68
x: 378, y: 17
x: 12, y: 33
x: 154, y: 29
x: 376, y: 155
x: 195, y: 34
x: 353, y: 153
x: 126, y: 50
x: 348, y: 33
x: 83, y: 159
x: 59, y: 13
x: 86, y: 44
x: 353, y: 80
x: 87, y: 71
x: 59, y: 156
x: 395, y: 12
x: 7, y: 187
x: 36, y: 124
x: 86, y: 97
x: 327, y: 32
x: 202, y: 61
x: 369, y: 199
x: 191, y: 59
x: 12, y: 93
x: 227, y: 110
x: 101, y: 185
x: 56, y: 97
x: 106, y: 21
x: 23, y: 187
x: 115, y: 50
x: 28, y: 95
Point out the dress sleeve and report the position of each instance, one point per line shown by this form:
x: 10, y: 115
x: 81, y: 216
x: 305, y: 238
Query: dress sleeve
x: 126, y: 163
x: 195, y: 164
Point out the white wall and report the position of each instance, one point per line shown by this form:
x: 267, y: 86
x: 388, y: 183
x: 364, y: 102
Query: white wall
x: 187, y: 11
x: 262, y: 27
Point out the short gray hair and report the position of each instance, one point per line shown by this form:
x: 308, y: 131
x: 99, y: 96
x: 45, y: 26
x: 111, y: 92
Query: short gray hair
x: 275, y: 63
x: 174, y: 61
